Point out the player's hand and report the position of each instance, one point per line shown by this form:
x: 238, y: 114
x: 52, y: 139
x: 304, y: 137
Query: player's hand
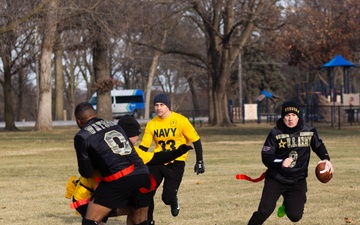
x: 287, y: 162
x: 199, y: 167
x: 328, y: 166
x: 182, y: 149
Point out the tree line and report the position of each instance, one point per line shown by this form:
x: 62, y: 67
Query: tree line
x: 54, y: 52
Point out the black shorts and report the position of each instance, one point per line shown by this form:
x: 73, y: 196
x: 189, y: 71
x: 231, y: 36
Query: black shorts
x: 123, y: 192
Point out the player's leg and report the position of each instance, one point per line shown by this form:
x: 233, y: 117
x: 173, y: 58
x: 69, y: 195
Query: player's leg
x: 140, y: 215
x: 139, y: 201
x: 129, y: 220
x: 112, y: 195
x: 157, y: 174
x: 151, y: 209
x: 294, y: 200
x: 82, y: 211
x: 143, y: 223
x: 95, y: 212
x: 271, y: 193
x: 89, y: 222
x: 173, y: 176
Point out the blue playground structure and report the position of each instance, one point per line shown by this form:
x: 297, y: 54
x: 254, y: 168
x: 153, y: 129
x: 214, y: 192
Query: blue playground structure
x: 271, y: 116
x: 328, y: 90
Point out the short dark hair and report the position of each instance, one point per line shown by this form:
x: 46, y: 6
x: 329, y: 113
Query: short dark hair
x: 81, y: 108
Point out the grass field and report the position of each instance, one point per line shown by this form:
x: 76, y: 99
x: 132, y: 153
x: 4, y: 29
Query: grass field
x: 35, y: 167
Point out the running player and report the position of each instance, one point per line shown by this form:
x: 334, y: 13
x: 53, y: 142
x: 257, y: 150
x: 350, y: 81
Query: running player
x: 169, y: 130
x: 286, y: 154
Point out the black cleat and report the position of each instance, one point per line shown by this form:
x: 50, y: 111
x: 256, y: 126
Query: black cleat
x: 175, y: 208
x: 151, y: 222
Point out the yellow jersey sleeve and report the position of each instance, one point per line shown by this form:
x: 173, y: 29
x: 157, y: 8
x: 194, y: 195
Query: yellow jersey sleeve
x: 145, y: 156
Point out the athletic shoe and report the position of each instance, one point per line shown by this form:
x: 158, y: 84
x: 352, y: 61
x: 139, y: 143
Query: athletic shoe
x: 151, y: 222
x: 281, y: 211
x: 175, y: 208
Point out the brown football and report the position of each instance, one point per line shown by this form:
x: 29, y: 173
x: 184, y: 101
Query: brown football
x: 322, y: 174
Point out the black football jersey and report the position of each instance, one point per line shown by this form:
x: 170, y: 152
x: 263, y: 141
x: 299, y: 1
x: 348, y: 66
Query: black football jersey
x: 103, y: 145
x: 283, y: 142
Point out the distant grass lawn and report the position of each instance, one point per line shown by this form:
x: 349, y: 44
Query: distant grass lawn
x: 35, y: 167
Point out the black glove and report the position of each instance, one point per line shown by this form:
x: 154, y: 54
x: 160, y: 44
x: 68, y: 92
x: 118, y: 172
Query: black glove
x: 182, y: 149
x: 199, y: 167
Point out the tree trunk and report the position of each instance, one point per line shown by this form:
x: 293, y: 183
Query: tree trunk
x: 20, y: 94
x: 194, y: 98
x: 44, y: 117
x: 72, y: 87
x: 102, y: 75
x: 59, y: 79
x: 8, y: 95
x: 221, y: 52
x: 152, y: 72
x: 8, y: 99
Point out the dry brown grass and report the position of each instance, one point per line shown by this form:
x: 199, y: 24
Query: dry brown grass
x: 35, y: 167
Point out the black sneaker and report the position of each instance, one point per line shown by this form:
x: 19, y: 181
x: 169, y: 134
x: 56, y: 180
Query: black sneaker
x: 175, y: 208
x: 151, y: 222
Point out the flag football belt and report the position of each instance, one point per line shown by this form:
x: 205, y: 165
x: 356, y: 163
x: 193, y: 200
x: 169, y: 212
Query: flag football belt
x: 79, y: 203
x: 117, y: 175
x: 152, y: 186
x: 246, y: 177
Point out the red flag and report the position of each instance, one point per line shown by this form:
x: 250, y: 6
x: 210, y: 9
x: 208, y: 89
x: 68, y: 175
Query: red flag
x: 246, y: 177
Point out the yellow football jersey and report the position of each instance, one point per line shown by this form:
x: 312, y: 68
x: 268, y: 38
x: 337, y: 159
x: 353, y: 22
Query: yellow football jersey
x: 169, y: 133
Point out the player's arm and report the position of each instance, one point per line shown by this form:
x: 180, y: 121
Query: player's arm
x: 199, y: 166
x: 191, y: 135
x: 268, y: 154
x: 318, y: 147
x: 198, y: 150
x: 85, y: 166
x: 167, y: 156
x: 146, y: 139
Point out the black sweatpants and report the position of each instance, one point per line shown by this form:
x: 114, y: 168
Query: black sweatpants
x: 294, y: 200
x: 172, y: 174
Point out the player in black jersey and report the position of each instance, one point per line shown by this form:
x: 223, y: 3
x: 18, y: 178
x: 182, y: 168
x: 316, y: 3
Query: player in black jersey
x: 286, y: 154
x: 81, y: 190
x: 103, y: 145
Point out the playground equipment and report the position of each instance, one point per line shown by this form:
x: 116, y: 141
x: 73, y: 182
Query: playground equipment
x: 271, y: 116
x: 336, y: 90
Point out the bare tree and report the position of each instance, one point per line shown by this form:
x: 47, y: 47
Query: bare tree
x: 7, y: 44
x: 226, y: 25
x: 316, y: 32
x: 59, y: 78
x: 71, y: 65
x: 218, y: 31
x: 44, y: 117
x: 14, y: 46
x: 103, y: 81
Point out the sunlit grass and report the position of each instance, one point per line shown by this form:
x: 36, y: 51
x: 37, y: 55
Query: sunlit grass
x: 35, y: 167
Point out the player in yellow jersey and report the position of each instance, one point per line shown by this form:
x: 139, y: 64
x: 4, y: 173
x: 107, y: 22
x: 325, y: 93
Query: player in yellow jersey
x: 81, y: 190
x: 168, y: 130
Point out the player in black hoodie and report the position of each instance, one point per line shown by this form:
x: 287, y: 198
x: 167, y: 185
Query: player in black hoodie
x: 286, y: 154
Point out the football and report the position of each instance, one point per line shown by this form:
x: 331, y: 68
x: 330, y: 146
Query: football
x: 322, y: 173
